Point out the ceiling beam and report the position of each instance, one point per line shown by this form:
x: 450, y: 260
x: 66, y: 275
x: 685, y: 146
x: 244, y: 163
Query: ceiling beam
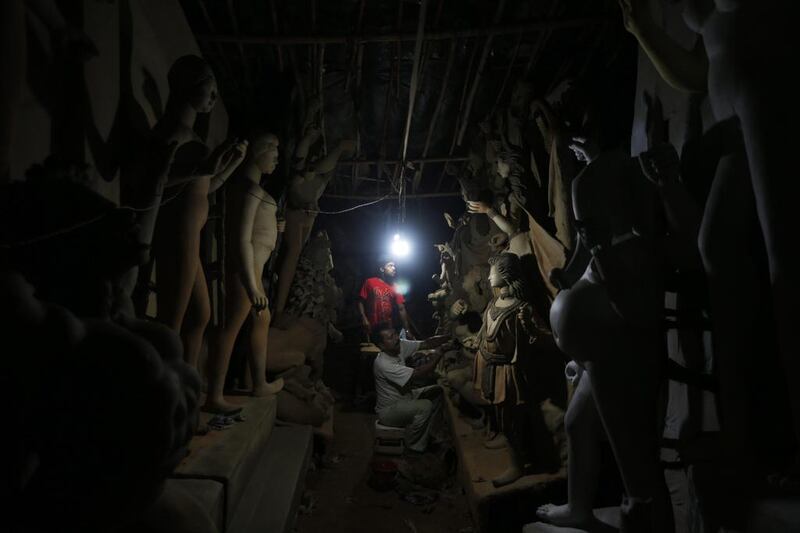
x: 412, y: 90
x: 492, y: 31
x: 397, y: 161
x: 487, y: 47
x: 391, y: 198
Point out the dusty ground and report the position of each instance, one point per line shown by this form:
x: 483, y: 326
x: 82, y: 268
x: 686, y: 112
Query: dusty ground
x: 344, y: 502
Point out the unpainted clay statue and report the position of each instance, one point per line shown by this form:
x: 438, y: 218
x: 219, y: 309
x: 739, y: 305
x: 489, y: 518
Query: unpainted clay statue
x: 252, y: 229
x: 504, y: 371
x: 314, y: 292
x: 561, y: 169
x: 741, y: 61
x: 443, y: 278
x: 302, y: 342
x: 60, y: 474
x: 302, y: 400
x: 549, y: 253
x: 608, y: 321
x: 183, y: 302
x: 303, y: 193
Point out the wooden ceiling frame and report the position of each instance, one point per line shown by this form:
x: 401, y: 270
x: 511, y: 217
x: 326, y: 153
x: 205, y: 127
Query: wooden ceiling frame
x: 423, y: 40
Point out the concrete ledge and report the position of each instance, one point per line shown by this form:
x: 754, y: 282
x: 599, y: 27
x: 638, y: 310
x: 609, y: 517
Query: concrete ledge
x: 497, y: 509
x: 230, y: 456
x: 608, y: 518
x: 270, y: 502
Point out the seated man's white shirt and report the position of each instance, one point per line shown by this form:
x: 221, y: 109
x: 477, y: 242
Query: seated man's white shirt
x: 392, y: 375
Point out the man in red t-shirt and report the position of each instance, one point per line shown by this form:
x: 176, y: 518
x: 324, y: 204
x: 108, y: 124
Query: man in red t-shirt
x: 377, y: 299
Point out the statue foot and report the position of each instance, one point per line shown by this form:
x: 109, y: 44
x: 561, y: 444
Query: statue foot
x: 266, y: 389
x: 565, y: 516
x: 220, y: 407
x: 496, y: 442
x: 509, y: 476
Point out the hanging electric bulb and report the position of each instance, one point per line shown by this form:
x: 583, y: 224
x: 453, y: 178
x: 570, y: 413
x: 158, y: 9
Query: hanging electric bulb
x: 400, y: 246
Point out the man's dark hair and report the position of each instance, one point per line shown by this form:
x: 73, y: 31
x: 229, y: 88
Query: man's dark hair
x: 376, y: 333
x: 381, y: 261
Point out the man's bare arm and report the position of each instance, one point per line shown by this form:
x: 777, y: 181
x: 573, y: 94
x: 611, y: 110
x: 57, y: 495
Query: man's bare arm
x: 434, y: 342
x: 427, y: 368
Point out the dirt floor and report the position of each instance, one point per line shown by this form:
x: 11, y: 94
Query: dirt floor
x: 339, y: 497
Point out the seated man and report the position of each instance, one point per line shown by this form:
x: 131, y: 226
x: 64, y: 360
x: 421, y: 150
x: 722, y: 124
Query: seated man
x: 398, y: 405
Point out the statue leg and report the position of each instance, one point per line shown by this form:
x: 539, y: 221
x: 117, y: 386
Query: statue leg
x: 198, y: 314
x: 583, y: 428
x: 293, y: 239
x: 769, y: 122
x: 730, y: 247
x: 506, y: 415
x: 625, y: 387
x: 176, y: 269
x: 237, y: 305
x: 259, y: 337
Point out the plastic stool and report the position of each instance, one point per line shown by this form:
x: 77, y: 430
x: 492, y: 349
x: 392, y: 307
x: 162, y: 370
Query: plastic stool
x: 389, y: 440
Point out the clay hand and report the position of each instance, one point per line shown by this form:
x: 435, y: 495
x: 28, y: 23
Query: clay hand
x: 660, y: 165
x: 573, y: 372
x: 234, y: 155
x: 448, y: 218
x: 634, y: 14
x: 259, y: 301
x: 478, y: 207
x: 584, y: 149
x: 228, y: 153
x: 525, y: 315
x: 213, y: 164
x: 458, y: 308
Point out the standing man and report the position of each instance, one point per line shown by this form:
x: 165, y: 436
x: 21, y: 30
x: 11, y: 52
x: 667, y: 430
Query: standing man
x: 377, y: 299
x: 397, y: 404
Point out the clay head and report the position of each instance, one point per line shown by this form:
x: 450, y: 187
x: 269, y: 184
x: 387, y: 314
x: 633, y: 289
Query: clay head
x: 507, y: 163
x: 505, y: 270
x: 192, y: 80
x: 498, y: 242
x: 264, y: 152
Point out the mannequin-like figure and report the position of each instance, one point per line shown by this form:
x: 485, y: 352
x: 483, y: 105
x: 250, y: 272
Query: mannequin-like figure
x: 741, y: 62
x: 252, y: 229
x: 183, y: 302
x: 608, y: 321
x: 303, y: 193
x: 503, y: 370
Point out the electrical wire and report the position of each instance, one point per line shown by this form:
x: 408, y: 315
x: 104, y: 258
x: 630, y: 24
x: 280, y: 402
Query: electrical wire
x: 382, y: 198
x: 79, y: 225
